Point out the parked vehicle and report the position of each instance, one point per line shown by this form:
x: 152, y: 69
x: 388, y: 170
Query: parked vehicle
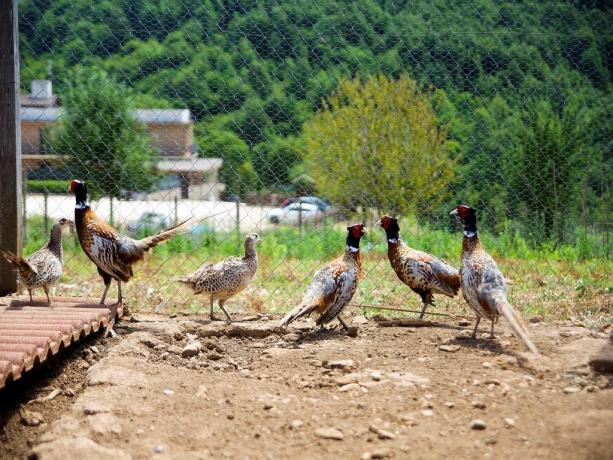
x: 291, y: 214
x: 322, y: 204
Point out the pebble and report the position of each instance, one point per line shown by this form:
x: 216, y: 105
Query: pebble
x: 450, y: 404
x: 464, y: 323
x: 158, y: 449
x: 569, y: 390
x: 478, y: 404
x: 350, y: 387
x: 427, y: 412
x: 94, y: 349
x: 296, y: 424
x: 381, y: 434
x: 293, y: 337
x: 376, y: 375
x: 329, y: 433
x: 359, y: 320
x: 214, y: 356
x: 169, y: 392
x: 376, y: 454
x: 449, y: 348
x: 31, y: 418
x: 340, y: 364
x: 509, y: 422
x: 191, y: 349
x: 478, y: 424
x: 486, y: 365
x: 70, y: 392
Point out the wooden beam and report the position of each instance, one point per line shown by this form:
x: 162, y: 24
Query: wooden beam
x: 10, y: 143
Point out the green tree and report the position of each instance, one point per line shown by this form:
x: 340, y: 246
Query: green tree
x: 109, y: 147
x: 237, y: 172
x: 546, y: 168
x: 378, y: 144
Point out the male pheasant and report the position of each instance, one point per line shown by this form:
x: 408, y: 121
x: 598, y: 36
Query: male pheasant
x: 422, y: 272
x: 483, y: 285
x: 226, y: 278
x: 333, y: 285
x: 112, y: 252
x: 44, y: 267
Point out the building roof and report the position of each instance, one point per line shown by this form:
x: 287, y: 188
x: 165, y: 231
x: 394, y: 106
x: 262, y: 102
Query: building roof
x: 146, y: 116
x: 187, y: 165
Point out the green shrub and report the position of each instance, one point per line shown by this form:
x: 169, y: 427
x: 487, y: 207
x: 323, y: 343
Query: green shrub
x: 47, y: 185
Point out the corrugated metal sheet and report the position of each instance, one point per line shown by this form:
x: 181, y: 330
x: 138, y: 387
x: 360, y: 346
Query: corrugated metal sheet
x: 30, y: 332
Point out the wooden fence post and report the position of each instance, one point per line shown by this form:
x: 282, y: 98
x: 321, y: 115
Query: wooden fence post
x: 10, y: 143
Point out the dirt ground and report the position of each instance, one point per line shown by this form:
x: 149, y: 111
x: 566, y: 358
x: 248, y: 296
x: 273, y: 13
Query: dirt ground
x: 253, y: 391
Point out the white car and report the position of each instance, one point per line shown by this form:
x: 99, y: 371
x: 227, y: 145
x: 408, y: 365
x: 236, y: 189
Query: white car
x: 290, y: 213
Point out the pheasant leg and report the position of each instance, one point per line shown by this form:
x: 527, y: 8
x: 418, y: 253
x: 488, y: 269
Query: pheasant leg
x: 423, y: 310
x: 119, y: 297
x: 46, y: 288
x: 221, y: 302
x: 492, y: 331
x: 343, y: 323
x: 474, y: 334
x: 212, y: 315
x: 106, y: 289
x: 30, y: 291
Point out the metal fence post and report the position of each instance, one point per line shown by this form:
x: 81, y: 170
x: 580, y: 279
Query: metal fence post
x: 11, y: 194
x: 238, y: 225
x: 111, y: 209
x: 46, y: 203
x: 176, y: 200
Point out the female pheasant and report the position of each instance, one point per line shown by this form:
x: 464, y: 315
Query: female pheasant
x: 112, y: 252
x: 483, y: 285
x: 44, y: 267
x: 422, y: 272
x: 332, y: 286
x: 226, y: 278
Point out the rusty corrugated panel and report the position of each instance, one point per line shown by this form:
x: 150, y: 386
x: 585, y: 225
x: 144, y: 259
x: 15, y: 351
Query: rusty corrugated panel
x: 30, y: 332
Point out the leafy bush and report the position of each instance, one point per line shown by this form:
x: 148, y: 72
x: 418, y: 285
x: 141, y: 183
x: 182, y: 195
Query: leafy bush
x: 47, y: 185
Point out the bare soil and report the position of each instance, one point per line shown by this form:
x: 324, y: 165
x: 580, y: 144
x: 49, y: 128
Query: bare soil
x: 254, y: 391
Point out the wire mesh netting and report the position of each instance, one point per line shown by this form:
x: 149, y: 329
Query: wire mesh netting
x: 294, y: 118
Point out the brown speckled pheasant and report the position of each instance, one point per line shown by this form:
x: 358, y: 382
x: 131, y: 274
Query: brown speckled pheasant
x: 112, y: 252
x: 422, y: 272
x: 483, y: 285
x: 226, y: 278
x: 44, y: 267
x: 333, y: 285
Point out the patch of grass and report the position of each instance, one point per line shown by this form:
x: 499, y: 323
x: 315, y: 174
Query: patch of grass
x: 553, y: 283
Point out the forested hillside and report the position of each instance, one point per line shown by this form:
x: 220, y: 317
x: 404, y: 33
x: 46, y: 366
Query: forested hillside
x: 523, y: 89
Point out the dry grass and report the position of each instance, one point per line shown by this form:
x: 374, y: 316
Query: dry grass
x: 552, y: 290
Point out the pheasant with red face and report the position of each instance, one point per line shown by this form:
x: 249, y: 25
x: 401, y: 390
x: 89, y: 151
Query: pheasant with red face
x: 332, y: 286
x: 483, y: 285
x: 422, y: 272
x: 113, y: 253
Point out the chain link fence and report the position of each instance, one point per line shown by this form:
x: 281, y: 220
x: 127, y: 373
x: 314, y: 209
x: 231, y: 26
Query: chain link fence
x: 293, y: 118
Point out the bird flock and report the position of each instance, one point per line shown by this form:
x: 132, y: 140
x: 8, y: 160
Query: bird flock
x: 330, y: 291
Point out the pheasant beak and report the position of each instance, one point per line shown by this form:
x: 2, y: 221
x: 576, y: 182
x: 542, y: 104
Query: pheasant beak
x: 454, y: 212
